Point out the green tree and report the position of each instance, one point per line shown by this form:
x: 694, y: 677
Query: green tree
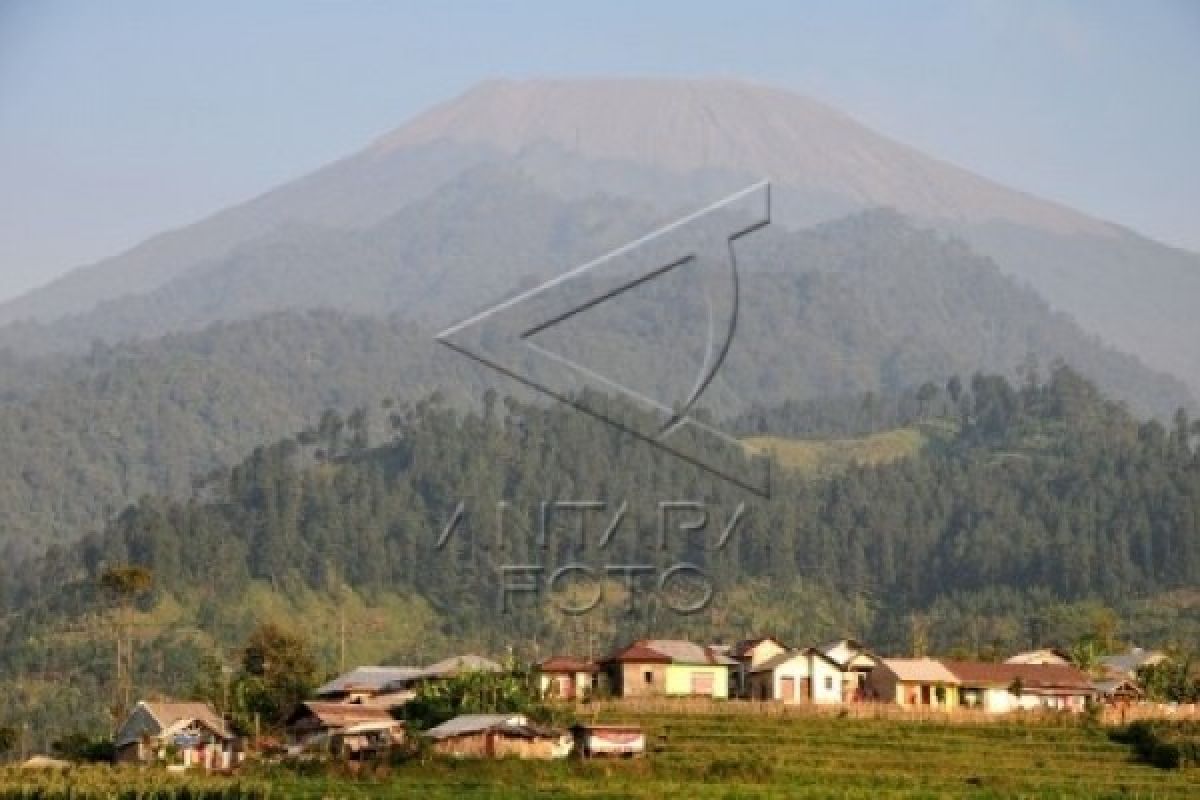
x: 278, y: 672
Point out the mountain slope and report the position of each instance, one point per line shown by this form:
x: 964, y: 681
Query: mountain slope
x: 672, y: 144
x: 865, y: 304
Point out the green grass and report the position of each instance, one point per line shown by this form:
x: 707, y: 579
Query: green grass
x: 709, y: 756
x: 829, y: 456
x: 727, y: 756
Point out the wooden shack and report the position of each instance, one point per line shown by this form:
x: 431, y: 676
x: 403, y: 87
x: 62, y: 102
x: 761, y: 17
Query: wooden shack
x: 498, y: 736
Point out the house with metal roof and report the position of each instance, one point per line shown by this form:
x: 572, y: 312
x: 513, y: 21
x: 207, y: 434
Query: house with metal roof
x: 498, y: 736
x: 364, y: 683
x: 188, y: 734
x: 349, y: 729
x: 669, y: 667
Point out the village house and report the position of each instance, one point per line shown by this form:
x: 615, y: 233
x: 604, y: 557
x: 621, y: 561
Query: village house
x: 798, y: 676
x: 856, y: 663
x: 1046, y: 655
x: 569, y: 678
x: 389, y: 687
x: 669, y: 667
x: 181, y: 734
x: 347, y: 729
x: 914, y: 682
x: 609, y: 739
x: 1000, y: 688
x: 377, y: 686
x: 750, y: 653
x: 498, y: 736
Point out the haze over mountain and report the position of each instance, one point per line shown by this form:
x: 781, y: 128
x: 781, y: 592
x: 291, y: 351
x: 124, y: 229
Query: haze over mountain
x: 669, y: 144
x: 867, y: 304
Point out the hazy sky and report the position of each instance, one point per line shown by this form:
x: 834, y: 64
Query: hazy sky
x: 121, y: 119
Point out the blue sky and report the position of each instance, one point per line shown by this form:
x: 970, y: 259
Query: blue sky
x: 121, y: 119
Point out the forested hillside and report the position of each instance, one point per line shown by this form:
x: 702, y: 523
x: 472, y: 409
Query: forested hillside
x: 868, y: 304
x: 1029, y: 505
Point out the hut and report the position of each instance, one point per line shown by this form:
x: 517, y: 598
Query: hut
x: 498, y: 736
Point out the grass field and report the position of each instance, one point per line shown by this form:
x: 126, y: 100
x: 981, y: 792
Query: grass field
x: 830, y: 456
x: 733, y: 756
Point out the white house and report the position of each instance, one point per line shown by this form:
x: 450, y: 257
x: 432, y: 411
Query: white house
x: 856, y: 663
x: 797, y: 676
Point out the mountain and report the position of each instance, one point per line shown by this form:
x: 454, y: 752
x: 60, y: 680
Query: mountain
x: 865, y: 304
x: 667, y: 145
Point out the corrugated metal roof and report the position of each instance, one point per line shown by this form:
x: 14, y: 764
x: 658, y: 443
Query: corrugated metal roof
x: 457, y: 664
x: 474, y: 723
x: 170, y: 714
x: 1132, y: 661
x: 677, y: 651
x: 368, y: 679
x: 341, y: 715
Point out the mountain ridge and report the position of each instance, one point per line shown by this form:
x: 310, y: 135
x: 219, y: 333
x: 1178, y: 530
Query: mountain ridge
x: 669, y: 144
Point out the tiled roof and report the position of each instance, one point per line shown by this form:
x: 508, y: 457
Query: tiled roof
x: 1031, y: 676
x: 920, y: 670
x: 567, y: 664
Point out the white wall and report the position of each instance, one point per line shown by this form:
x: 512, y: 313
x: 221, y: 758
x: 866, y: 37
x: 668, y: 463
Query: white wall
x: 827, y: 682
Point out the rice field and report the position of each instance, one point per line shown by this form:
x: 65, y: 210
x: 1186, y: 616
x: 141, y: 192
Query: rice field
x: 741, y: 756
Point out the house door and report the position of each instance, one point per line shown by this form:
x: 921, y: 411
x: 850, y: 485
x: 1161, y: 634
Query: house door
x: 787, y: 689
x: 566, y: 687
x: 702, y: 683
x: 805, y: 689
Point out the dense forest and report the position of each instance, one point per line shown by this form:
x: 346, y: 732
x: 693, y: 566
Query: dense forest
x: 868, y: 304
x: 1032, y: 507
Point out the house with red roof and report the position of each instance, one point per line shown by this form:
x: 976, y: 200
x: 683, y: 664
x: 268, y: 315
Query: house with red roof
x: 1012, y: 687
x: 570, y: 678
x: 669, y: 668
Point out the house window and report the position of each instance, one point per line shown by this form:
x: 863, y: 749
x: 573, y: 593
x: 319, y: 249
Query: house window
x: 828, y: 682
x: 649, y: 676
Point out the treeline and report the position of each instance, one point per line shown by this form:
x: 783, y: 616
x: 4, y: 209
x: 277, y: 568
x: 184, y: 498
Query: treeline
x: 861, y: 309
x: 1043, y: 487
